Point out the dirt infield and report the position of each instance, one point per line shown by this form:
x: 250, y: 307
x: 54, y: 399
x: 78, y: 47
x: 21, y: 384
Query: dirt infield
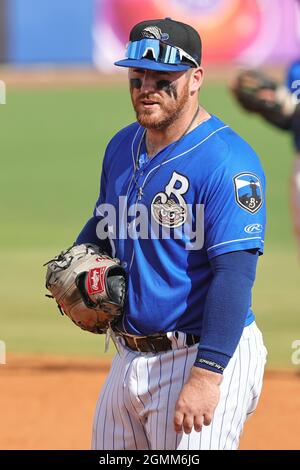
x: 48, y: 403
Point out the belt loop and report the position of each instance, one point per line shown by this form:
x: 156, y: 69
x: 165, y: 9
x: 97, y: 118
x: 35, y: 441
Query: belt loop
x: 153, y: 347
x: 173, y: 338
x: 136, y: 343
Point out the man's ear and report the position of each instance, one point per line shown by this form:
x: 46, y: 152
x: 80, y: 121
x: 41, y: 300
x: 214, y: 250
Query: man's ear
x: 196, y: 79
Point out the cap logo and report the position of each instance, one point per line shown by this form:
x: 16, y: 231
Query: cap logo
x: 153, y: 32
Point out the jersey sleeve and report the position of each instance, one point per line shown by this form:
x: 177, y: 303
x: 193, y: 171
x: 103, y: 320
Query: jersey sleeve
x: 293, y: 77
x: 234, y: 212
x: 118, y: 140
x: 103, y: 183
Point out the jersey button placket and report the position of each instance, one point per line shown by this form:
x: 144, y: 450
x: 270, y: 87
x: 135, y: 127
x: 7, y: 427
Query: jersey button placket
x: 140, y: 181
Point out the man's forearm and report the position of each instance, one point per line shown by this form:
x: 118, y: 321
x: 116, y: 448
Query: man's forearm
x: 226, y: 308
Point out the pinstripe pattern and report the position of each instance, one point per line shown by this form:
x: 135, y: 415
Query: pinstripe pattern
x: 128, y: 430
x: 131, y: 429
x: 100, y: 406
x: 136, y: 407
x: 117, y: 389
x: 151, y: 415
x: 120, y: 414
x: 246, y: 388
x: 168, y: 401
x: 106, y: 412
x: 227, y: 395
x: 182, y: 383
x: 259, y: 372
x: 158, y: 402
x: 256, y: 355
x: 184, y: 439
x: 234, y: 408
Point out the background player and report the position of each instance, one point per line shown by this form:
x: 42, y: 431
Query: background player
x: 279, y: 105
x: 191, y: 358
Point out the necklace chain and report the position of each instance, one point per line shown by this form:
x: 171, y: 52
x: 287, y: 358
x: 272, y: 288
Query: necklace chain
x: 173, y: 147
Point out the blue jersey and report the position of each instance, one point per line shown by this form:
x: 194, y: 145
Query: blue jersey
x: 201, y: 196
x: 293, y: 76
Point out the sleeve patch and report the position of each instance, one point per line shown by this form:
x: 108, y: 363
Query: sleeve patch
x: 248, y: 192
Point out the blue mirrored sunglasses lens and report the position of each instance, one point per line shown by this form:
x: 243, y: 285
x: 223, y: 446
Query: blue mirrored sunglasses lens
x: 171, y: 55
x: 159, y: 51
x: 139, y: 49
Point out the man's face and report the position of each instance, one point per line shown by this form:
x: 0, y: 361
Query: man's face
x: 158, y: 98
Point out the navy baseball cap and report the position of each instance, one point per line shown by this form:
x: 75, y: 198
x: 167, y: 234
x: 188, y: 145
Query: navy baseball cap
x: 164, y: 45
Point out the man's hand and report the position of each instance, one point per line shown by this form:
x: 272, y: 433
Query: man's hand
x: 197, y: 400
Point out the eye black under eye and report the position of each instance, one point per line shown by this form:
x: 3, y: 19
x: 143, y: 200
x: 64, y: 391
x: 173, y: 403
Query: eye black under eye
x: 163, y: 84
x: 135, y: 83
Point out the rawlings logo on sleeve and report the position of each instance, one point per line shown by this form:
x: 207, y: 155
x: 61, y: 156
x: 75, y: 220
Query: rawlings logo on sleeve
x: 253, y: 228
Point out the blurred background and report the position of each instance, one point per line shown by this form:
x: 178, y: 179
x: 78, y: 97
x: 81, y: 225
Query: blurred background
x: 65, y: 100
x: 93, y: 32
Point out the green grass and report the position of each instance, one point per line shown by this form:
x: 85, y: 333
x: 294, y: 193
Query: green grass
x: 51, y: 148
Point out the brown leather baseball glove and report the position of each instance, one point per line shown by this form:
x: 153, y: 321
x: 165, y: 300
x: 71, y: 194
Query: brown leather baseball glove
x: 88, y: 286
x: 254, y: 90
x: 258, y: 93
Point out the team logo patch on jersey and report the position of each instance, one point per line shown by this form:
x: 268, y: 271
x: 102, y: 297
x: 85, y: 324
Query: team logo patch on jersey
x: 248, y: 192
x: 169, y: 208
x: 169, y: 214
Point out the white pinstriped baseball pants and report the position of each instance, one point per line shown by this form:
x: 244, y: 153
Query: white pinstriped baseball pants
x: 135, y: 409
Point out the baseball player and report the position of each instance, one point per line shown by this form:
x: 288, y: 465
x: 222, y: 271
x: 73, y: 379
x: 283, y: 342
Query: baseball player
x: 182, y: 206
x: 279, y: 105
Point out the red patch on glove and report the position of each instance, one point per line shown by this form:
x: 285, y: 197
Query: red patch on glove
x: 95, y: 280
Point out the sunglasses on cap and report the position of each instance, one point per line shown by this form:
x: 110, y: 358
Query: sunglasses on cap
x: 160, y: 52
